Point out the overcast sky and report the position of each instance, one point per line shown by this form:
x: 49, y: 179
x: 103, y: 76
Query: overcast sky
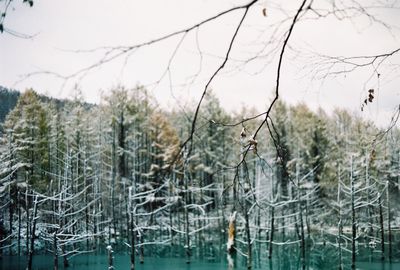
x: 63, y: 26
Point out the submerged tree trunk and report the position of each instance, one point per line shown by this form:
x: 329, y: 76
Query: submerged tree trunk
x: 187, y: 237
x: 248, y: 238
x: 87, y: 208
x: 389, y: 218
x: 55, y: 253
x: 271, y: 233
x: 369, y: 207
x: 132, y: 244
x: 131, y: 227
x: 230, y: 245
x: 302, y: 238
x: 382, y: 228
x: 113, y: 185
x: 65, y: 258
x: 353, y: 221
x: 32, y: 239
x: 339, y: 226
x: 231, y: 233
x: 110, y: 257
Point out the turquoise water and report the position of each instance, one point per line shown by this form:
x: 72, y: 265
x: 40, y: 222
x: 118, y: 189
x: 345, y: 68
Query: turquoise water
x: 97, y: 262
x: 213, y: 257
x: 44, y: 262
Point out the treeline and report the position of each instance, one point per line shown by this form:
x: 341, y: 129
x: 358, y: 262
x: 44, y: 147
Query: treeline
x: 75, y: 178
x: 8, y: 100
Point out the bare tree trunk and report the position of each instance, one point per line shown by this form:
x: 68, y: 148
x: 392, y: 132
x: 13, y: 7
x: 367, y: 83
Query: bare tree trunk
x: 55, y: 251
x: 282, y: 218
x: 87, y: 208
x: 382, y: 229
x: 141, y: 247
x: 230, y: 246
x: 339, y: 225
x: 259, y: 234
x: 131, y: 226
x: 187, y: 237
x: 110, y: 257
x: 32, y: 242
x: 370, y: 207
x: 200, y: 222
x: 65, y: 258
x: 19, y: 223
x: 11, y: 214
x: 307, y: 219
x: 294, y: 213
x: 389, y: 218
x: 28, y: 225
x: 271, y: 233
x: 170, y: 194
x: 231, y: 234
x: 302, y: 238
x: 132, y: 244
x: 113, y: 184
x: 10, y: 209
x: 300, y: 210
x: 248, y: 238
x: 353, y: 221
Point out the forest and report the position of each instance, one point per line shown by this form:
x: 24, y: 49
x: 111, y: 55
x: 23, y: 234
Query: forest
x: 199, y: 135
x: 121, y: 177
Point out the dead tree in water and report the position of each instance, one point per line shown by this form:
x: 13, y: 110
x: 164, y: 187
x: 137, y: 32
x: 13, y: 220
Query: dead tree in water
x: 231, y: 234
x: 302, y: 238
x: 248, y: 239
x: 382, y: 228
x: 110, y: 257
x: 131, y: 228
x: 33, y: 230
x: 388, y: 220
x: 230, y: 245
x: 187, y: 236
x: 55, y: 251
x: 271, y: 232
x: 353, y: 219
x: 340, y: 225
